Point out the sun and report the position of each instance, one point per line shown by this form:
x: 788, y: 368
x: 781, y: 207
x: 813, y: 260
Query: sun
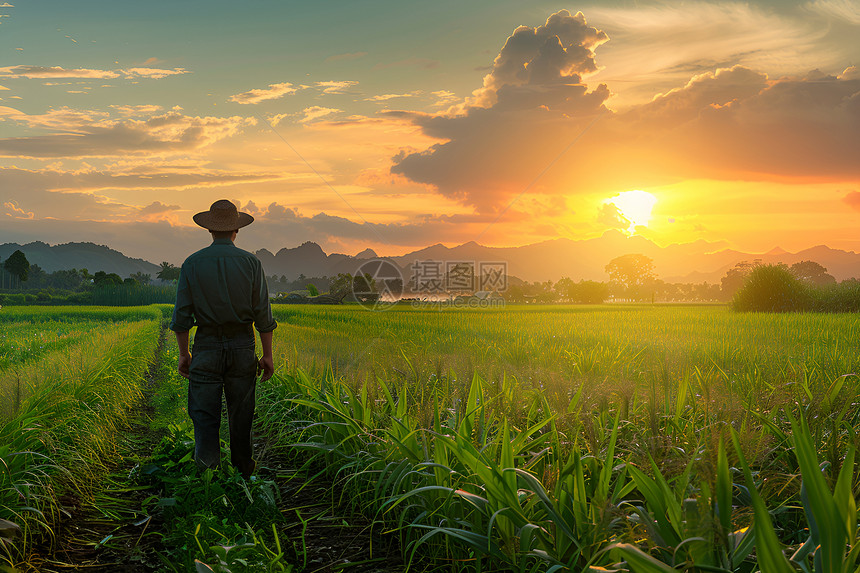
x: 635, y: 207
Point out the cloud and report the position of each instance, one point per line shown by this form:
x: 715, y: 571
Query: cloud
x: 131, y: 110
x: 535, y: 125
x: 274, y: 91
x: 387, y: 97
x: 345, y: 57
x: 852, y: 199
x: 444, y: 98
x: 169, y: 132
x: 153, y: 73
x: 158, y: 211
x: 54, y: 72
x: 160, y: 236
x: 532, y: 104
x: 3, y: 88
x: 845, y: 10
x: 16, y: 212
x: 168, y: 176
x: 335, y: 87
x: 316, y: 112
x: 64, y: 118
x: 32, y: 72
x: 609, y: 215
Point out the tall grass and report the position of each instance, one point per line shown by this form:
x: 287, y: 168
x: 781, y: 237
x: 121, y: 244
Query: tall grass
x: 555, y: 440
x: 59, y: 418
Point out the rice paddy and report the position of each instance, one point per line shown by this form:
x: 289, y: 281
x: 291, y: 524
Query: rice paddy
x: 531, y: 438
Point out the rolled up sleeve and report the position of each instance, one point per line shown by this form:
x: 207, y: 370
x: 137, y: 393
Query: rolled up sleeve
x: 183, y: 311
x: 263, y: 319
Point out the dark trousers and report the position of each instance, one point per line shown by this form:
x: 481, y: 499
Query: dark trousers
x: 228, y: 366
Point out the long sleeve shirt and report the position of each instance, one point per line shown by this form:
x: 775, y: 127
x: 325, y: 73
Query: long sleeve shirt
x: 222, y: 285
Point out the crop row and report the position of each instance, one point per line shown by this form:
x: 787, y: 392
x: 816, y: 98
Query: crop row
x: 676, y: 427
x: 59, y: 423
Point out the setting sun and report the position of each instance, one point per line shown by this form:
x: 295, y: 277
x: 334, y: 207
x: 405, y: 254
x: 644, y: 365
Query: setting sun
x: 635, y: 207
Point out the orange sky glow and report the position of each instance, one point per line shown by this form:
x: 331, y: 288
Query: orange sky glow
x: 507, y: 125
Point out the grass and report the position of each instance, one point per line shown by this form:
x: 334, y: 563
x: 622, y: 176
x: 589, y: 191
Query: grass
x: 59, y: 422
x: 566, y: 438
x: 534, y: 438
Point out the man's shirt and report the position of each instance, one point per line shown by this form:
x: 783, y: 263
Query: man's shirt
x: 222, y: 285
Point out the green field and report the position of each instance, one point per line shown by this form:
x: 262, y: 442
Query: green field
x: 533, y: 438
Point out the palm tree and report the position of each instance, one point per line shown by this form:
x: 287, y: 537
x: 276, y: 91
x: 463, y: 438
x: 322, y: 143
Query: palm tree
x: 168, y: 272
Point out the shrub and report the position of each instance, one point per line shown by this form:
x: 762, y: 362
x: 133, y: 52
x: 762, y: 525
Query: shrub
x: 772, y: 288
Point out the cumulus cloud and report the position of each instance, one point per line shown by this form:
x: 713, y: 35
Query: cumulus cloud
x: 316, y: 112
x: 531, y: 104
x: 168, y: 132
x: 535, y: 125
x: 274, y: 91
x: 335, y: 87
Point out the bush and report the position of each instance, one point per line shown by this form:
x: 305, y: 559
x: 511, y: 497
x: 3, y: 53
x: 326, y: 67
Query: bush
x: 772, y: 288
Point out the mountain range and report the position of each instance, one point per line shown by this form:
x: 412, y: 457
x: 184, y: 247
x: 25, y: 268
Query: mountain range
x: 88, y: 256
x: 697, y: 262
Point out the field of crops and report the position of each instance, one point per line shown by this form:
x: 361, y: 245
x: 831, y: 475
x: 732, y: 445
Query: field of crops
x: 534, y: 438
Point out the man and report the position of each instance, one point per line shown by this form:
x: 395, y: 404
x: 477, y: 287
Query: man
x: 223, y: 292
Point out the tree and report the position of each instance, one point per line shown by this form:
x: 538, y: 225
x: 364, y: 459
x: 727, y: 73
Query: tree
x: 631, y: 270
x: 141, y: 278
x: 565, y: 289
x: 811, y: 272
x: 312, y: 290
x: 341, y: 284
x: 102, y: 278
x: 591, y: 292
x: 735, y: 277
x: 168, y: 272
x: 17, y: 265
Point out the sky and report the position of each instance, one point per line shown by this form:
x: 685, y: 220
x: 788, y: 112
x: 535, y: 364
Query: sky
x: 397, y: 125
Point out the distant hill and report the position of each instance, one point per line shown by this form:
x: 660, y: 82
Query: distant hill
x: 79, y: 256
x: 697, y: 262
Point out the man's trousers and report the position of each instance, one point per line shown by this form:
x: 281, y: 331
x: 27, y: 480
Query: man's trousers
x: 223, y: 365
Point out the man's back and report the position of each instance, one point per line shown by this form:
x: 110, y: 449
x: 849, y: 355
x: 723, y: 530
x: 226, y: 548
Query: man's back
x: 222, y: 285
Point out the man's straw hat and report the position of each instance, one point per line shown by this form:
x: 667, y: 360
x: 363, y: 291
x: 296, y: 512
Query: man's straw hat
x: 223, y: 216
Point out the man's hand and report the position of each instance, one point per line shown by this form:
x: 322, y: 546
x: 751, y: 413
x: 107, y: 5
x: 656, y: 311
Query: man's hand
x: 184, y: 365
x: 266, y: 365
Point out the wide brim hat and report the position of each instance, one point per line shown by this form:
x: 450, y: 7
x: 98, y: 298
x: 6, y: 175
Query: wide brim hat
x: 223, y: 216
